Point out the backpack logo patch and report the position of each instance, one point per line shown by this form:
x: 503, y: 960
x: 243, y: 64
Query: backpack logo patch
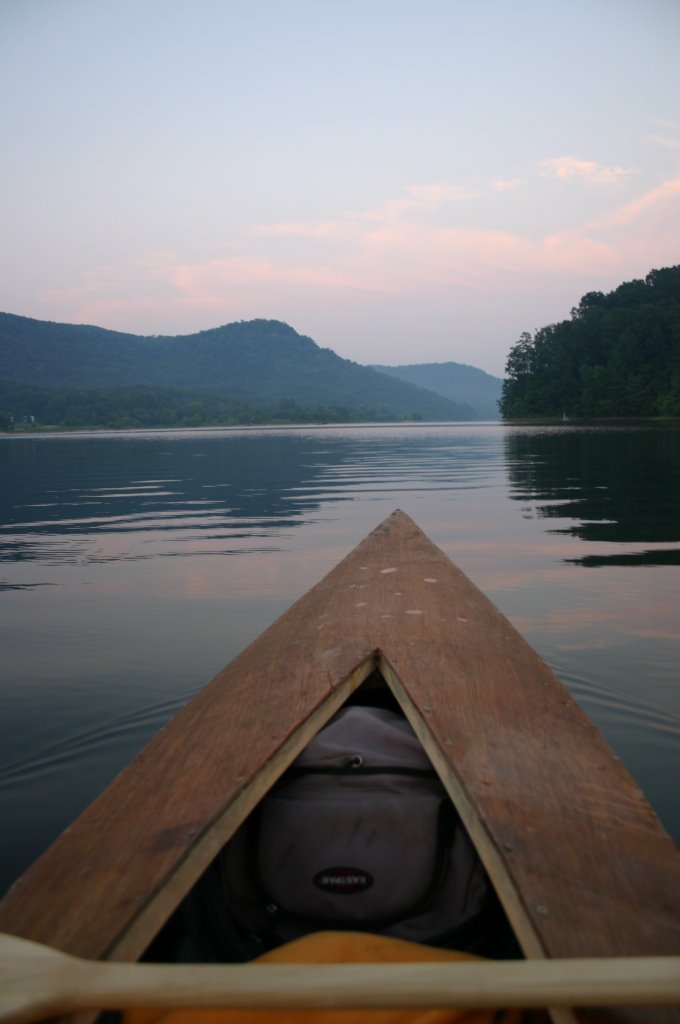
x: 342, y: 881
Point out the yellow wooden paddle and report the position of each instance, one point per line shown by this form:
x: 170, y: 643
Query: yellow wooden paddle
x: 37, y: 982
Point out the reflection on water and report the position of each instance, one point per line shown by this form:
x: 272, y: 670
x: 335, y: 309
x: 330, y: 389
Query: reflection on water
x: 217, y: 486
x: 618, y: 485
x: 132, y: 566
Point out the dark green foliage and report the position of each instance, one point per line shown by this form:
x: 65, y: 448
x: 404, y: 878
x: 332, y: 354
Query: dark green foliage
x: 618, y: 355
x: 256, y: 371
x: 162, y: 407
x: 602, y: 484
x: 477, y: 392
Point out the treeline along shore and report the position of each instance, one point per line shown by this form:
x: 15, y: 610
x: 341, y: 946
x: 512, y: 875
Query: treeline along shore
x: 617, y: 356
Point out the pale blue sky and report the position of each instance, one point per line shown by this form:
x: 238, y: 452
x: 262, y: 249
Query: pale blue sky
x: 402, y: 181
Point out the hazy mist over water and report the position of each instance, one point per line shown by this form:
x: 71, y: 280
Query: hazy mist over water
x: 133, y: 566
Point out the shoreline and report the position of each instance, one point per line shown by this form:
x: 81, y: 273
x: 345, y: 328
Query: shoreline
x: 43, y: 432
x: 238, y: 428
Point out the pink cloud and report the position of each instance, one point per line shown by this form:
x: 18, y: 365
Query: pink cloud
x: 422, y: 199
x: 661, y: 199
x: 304, y: 229
x: 385, y: 251
x: 398, y: 248
x: 572, y: 252
x: 566, y: 167
x: 205, y: 283
x: 507, y: 185
x: 92, y: 282
x: 437, y: 194
x: 433, y: 256
x: 85, y: 307
x: 665, y: 141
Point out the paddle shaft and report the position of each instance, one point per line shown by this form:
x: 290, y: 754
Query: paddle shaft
x: 639, y: 981
x: 36, y: 982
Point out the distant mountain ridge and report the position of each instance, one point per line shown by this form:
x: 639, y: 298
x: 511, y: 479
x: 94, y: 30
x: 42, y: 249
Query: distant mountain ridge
x: 264, y: 362
x: 459, y: 382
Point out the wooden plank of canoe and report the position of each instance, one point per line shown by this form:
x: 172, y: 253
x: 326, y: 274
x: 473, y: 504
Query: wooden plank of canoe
x: 579, y: 858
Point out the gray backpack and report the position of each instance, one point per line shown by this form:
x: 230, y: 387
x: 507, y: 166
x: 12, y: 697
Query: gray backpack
x: 358, y: 834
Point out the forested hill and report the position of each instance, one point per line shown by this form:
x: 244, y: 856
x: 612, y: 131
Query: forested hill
x: 618, y: 355
x: 254, y: 371
x: 466, y: 385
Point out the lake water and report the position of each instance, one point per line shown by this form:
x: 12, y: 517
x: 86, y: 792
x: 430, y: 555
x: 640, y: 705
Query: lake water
x: 134, y: 565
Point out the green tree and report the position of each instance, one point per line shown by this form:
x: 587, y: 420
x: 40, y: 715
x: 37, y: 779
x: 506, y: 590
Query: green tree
x: 618, y: 355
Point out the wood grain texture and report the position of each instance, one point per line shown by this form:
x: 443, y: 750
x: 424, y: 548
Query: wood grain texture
x: 579, y: 858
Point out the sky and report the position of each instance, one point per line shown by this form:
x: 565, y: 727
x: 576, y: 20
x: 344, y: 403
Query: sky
x: 402, y: 181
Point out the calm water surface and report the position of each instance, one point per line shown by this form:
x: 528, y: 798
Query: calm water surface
x: 133, y: 566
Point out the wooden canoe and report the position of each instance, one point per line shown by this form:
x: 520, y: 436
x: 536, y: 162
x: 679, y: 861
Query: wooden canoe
x: 581, y: 863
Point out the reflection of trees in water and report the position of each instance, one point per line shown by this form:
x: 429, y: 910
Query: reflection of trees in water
x: 61, y: 493
x: 87, y: 486
x: 618, y: 485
